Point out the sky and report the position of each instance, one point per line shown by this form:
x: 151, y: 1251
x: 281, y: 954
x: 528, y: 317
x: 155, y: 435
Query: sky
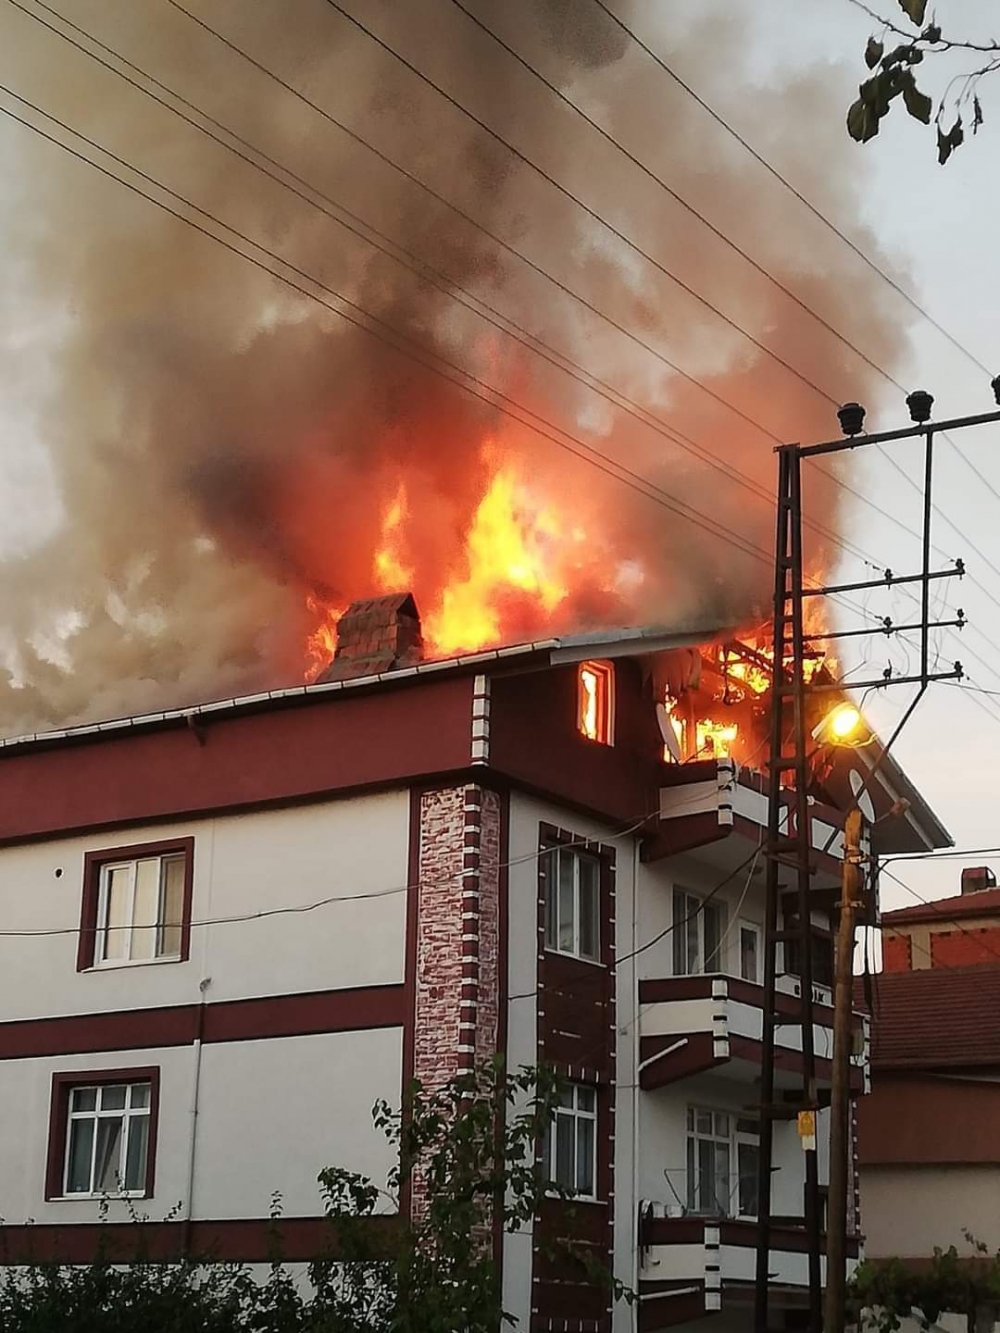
x: 782, y: 71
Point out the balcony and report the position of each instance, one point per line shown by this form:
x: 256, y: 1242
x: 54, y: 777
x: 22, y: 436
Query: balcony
x: 719, y: 808
x: 693, y: 1266
x: 692, y: 1025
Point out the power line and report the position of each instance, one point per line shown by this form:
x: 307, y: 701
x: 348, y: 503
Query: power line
x: 811, y: 207
x: 302, y: 908
x: 597, y: 217
x: 577, y: 201
x: 569, y: 291
x: 437, y: 279
x: 578, y: 447
x: 807, y: 203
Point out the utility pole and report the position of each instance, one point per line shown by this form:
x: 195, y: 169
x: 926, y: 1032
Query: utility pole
x: 790, y: 848
x: 840, y: 1091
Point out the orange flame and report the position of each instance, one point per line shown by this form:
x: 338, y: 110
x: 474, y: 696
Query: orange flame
x: 392, y: 573
x: 512, y: 545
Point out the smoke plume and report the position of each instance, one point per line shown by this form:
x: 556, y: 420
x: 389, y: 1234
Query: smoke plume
x: 196, y: 456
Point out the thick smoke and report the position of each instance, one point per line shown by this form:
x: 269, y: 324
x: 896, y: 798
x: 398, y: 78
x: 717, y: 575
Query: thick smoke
x: 196, y: 452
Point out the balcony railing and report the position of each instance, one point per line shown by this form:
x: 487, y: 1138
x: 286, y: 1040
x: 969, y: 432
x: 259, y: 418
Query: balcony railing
x: 690, y: 1025
x: 695, y: 1265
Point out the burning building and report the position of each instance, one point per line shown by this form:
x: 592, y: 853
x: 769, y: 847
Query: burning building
x: 230, y: 928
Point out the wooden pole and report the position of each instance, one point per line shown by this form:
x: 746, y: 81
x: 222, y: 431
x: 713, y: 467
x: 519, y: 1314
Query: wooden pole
x: 840, y: 1086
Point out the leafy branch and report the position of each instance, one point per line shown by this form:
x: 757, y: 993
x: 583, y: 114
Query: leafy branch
x: 894, y: 76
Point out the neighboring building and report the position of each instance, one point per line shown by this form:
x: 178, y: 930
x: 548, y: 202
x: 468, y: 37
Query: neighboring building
x: 227, y: 931
x: 929, y: 1149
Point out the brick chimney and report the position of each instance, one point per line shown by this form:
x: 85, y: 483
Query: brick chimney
x: 977, y: 879
x: 377, y: 634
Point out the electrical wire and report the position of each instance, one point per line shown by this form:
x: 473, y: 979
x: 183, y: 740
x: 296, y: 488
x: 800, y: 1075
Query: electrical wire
x: 896, y: 287
x: 577, y: 297
x: 577, y: 447
x: 414, y: 264
x: 303, y: 908
x: 807, y: 203
x: 619, y: 235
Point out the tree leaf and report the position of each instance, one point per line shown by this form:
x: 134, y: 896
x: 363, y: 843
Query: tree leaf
x: 862, y: 122
x: 914, y: 9
x: 917, y: 103
x: 947, y: 143
x: 977, y: 114
x: 873, y: 52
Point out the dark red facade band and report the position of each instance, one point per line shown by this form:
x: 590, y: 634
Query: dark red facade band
x: 93, y: 862
x: 308, y: 1013
x: 62, y: 1086
x: 293, y: 750
x: 240, y: 1240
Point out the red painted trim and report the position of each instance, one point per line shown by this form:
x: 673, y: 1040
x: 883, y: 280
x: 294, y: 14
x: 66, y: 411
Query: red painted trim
x: 92, y: 863
x: 284, y: 752
x: 240, y: 1240
x: 307, y: 1013
x: 732, y: 1231
x: 62, y: 1085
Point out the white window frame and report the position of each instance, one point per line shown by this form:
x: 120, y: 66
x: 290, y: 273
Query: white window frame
x: 552, y: 902
x: 574, y: 1113
x: 757, y: 930
x: 128, y: 1114
x: 693, y: 917
x: 734, y: 1137
x: 132, y: 865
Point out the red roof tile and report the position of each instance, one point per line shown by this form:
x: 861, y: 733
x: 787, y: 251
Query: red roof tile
x: 985, y: 903
x: 935, y: 1018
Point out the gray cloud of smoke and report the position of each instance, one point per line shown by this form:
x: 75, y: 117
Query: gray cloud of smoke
x: 191, y: 449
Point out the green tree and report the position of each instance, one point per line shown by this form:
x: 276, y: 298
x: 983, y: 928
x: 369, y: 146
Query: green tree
x: 893, y: 54
x: 884, y: 1292
x: 468, y: 1165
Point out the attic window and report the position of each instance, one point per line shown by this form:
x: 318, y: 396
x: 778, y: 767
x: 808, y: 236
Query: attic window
x: 595, y: 702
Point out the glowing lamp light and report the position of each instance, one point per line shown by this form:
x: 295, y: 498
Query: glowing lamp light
x: 840, y: 724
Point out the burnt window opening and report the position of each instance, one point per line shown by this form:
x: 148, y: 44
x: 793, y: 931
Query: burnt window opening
x: 595, y: 702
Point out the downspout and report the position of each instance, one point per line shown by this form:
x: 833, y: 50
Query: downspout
x: 203, y: 986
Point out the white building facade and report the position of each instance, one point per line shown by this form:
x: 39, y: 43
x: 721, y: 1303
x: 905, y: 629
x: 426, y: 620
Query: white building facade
x: 225, y: 933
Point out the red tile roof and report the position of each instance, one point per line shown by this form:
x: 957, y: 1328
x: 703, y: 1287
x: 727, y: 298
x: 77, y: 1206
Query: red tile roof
x: 935, y: 1018
x: 986, y: 903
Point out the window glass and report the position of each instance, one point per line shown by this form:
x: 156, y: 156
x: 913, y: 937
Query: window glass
x: 117, y: 911
x: 81, y: 1150
x: 107, y: 1141
x: 718, y: 1142
x: 571, y: 1141
x: 113, y: 1097
x: 172, y: 910
x: 749, y: 953
x: 572, y: 903
x: 146, y: 908
x: 567, y: 891
x: 107, y: 1158
x: 748, y: 1155
x: 589, y: 905
x: 140, y: 909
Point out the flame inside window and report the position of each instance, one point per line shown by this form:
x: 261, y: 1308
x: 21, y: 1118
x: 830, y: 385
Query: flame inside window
x: 716, y: 738
x: 594, y: 701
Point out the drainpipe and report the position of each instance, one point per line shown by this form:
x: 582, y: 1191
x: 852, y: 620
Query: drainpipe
x: 203, y: 986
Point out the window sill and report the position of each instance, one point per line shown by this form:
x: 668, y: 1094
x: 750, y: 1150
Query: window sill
x: 125, y: 1195
x: 116, y: 964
